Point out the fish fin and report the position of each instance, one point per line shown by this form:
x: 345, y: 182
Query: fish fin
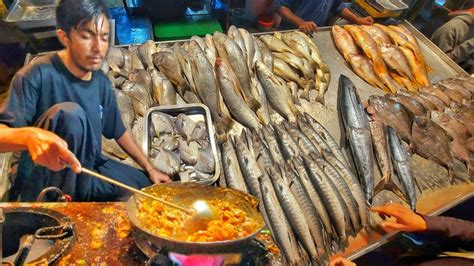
x: 253, y: 104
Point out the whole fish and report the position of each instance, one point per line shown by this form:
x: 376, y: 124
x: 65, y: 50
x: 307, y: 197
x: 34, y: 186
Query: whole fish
x: 357, y: 131
x: 249, y: 168
x: 401, y: 163
x: 457, y: 86
x: 344, y: 42
x: 210, y: 43
x: 344, y: 191
x: 230, y: 91
x: 411, y: 39
x: 315, y: 54
x: 440, y: 105
x: 272, y: 143
x: 313, y: 136
x: 306, y: 90
x: 167, y: 162
x: 200, y: 42
x: 436, y: 91
x: 207, y: 87
x: 139, y: 95
x: 263, y: 113
x: 313, y: 195
x: 320, y: 85
x: 331, y: 201
x: 417, y: 69
x: 372, y: 51
x: 136, y: 63
x: 141, y: 77
x: 168, y: 64
x: 188, y: 152
x: 427, y: 104
x: 294, y: 213
x: 145, y: 52
x: 295, y: 62
x: 394, y: 58
x: 183, y: 57
x: 433, y: 143
x: 285, y: 71
x: 163, y: 91
x: 379, y: 36
x: 127, y: 60
x: 258, y: 54
x: 276, y: 92
x: 298, y: 44
x: 327, y: 138
x: 364, y: 69
x: 115, y: 59
x: 235, y: 58
x: 460, y: 136
x: 125, y: 106
x: 310, y: 213
x: 463, y: 115
x: 261, y: 152
x: 233, y: 175
x: 413, y: 107
x: 236, y: 35
x: 382, y: 153
x: 392, y: 114
x: 275, y: 44
x: 281, y: 231
x: 249, y: 47
x: 267, y: 57
x: 289, y: 147
x: 304, y: 143
x: 205, y: 161
x: 454, y: 96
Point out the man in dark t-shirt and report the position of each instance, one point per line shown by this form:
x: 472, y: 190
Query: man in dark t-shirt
x: 67, y: 94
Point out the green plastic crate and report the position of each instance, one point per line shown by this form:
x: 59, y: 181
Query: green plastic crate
x: 184, y: 29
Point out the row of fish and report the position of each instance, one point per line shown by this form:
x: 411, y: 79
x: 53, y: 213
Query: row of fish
x: 371, y: 141
x: 180, y: 146
x: 310, y: 198
x: 437, y: 121
x: 387, y: 57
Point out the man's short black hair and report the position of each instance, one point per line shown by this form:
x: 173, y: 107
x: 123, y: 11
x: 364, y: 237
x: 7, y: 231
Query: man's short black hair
x: 78, y: 13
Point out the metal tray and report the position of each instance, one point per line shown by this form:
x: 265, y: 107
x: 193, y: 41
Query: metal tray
x: 388, y: 5
x: 194, y: 111
x: 28, y: 14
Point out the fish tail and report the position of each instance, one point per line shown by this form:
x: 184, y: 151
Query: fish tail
x: 305, y: 94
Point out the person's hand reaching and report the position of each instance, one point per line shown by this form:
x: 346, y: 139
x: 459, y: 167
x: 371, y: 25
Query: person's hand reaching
x: 407, y: 220
x: 49, y: 150
x: 158, y: 177
x: 308, y: 27
x: 365, y: 21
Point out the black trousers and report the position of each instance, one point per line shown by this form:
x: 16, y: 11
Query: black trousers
x: 69, y: 121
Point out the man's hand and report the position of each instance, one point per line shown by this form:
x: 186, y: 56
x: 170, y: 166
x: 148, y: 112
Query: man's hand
x: 407, y: 220
x: 308, y: 27
x: 158, y: 177
x: 49, y: 150
x: 365, y: 21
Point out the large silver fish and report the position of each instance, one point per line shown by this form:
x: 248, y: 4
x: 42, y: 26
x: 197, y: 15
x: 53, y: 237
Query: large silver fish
x: 357, y: 132
x: 401, y: 163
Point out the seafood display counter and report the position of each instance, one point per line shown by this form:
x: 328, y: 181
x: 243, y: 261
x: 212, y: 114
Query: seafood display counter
x: 431, y: 201
x: 432, y: 178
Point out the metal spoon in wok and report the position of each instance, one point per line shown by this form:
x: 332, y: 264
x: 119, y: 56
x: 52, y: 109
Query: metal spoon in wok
x: 199, y: 216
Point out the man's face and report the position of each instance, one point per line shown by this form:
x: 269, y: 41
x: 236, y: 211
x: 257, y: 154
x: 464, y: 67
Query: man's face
x: 88, y: 46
